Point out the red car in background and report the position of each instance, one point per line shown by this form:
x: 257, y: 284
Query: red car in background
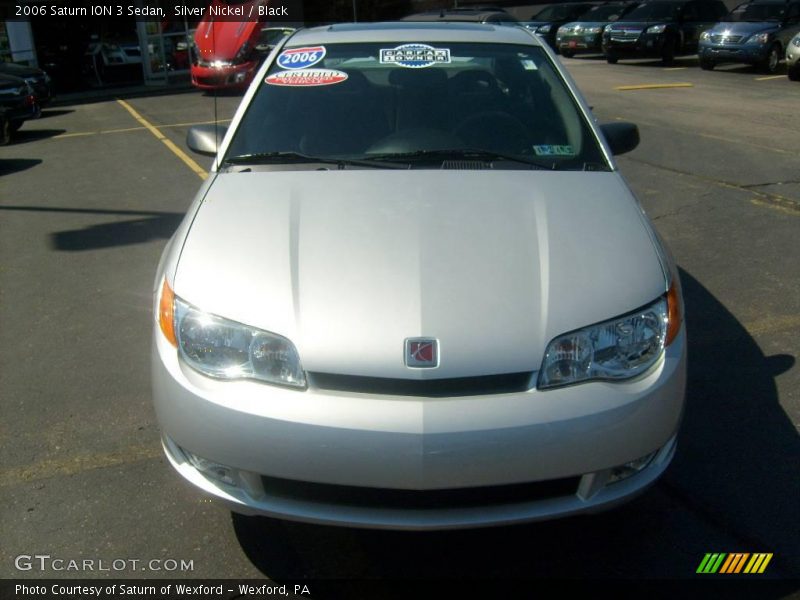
x: 228, y: 53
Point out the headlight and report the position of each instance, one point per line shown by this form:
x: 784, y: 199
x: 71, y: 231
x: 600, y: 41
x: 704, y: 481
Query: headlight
x: 656, y: 29
x: 544, y: 29
x: 225, y: 349
x: 759, y: 38
x: 593, y: 30
x: 613, y: 350
x: 796, y: 41
x: 705, y: 36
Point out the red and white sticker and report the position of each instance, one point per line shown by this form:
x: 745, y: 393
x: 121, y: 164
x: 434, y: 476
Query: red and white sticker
x: 306, y: 78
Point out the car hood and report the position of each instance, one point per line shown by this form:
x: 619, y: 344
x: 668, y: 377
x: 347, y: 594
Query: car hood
x: 744, y: 28
x: 19, y: 70
x: 621, y: 25
x: 347, y: 264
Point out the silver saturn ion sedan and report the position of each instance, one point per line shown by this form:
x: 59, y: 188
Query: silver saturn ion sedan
x: 415, y: 292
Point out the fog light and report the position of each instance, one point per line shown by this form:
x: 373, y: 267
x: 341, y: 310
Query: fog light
x: 239, y: 77
x: 213, y: 470
x: 630, y: 468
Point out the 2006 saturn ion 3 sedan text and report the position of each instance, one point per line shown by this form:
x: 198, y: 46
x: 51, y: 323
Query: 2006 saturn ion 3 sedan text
x: 415, y: 292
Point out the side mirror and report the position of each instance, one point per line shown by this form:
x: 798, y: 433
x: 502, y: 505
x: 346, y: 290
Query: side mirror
x: 205, y: 139
x: 622, y: 137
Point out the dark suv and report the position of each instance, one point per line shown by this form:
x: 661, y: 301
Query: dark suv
x: 661, y: 29
x: 757, y: 33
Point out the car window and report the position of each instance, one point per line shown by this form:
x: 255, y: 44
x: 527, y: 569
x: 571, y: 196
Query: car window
x: 690, y: 12
x: 707, y: 11
x: 605, y: 12
x: 757, y: 12
x: 371, y: 99
x: 654, y: 11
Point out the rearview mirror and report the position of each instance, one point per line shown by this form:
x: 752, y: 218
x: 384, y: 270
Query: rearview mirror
x: 621, y: 137
x: 205, y: 139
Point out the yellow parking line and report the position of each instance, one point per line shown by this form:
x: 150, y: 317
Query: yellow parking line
x: 126, y: 129
x: 167, y: 142
x: 770, y: 77
x: 676, y: 68
x: 653, y: 86
x: 71, y: 465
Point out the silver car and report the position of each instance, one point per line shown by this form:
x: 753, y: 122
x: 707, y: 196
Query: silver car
x: 415, y: 292
x: 793, y: 58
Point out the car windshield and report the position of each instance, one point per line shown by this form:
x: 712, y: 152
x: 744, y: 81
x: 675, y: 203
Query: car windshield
x: 603, y: 13
x: 557, y: 13
x: 418, y: 105
x: 654, y: 11
x: 756, y: 12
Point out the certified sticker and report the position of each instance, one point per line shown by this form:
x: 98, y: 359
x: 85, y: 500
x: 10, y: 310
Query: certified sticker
x: 554, y: 150
x: 414, y: 56
x: 301, y: 58
x: 306, y: 78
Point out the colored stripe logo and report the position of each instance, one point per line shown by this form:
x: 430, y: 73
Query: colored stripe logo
x: 736, y: 562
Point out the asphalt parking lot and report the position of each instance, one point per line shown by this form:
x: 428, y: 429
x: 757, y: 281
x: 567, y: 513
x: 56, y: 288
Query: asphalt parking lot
x: 89, y: 196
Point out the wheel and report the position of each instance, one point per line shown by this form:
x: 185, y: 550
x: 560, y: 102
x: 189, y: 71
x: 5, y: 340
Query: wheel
x: 566, y: 53
x: 668, y: 52
x: 707, y: 65
x: 612, y: 59
x: 794, y: 73
x: 770, y: 63
x: 5, y: 131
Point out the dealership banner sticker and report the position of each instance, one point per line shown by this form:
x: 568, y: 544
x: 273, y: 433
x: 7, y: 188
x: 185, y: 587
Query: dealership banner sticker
x: 414, y: 56
x: 306, y: 78
x: 548, y: 150
x: 301, y: 58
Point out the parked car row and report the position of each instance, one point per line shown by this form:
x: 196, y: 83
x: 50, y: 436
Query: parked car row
x: 757, y: 32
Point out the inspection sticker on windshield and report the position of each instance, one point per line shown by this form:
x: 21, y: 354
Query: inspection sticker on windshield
x: 414, y: 56
x: 306, y: 78
x: 554, y: 150
x: 301, y: 58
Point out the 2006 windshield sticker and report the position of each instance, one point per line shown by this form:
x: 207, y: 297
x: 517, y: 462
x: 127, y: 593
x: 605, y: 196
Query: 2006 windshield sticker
x: 414, y: 56
x: 306, y: 78
x: 301, y: 58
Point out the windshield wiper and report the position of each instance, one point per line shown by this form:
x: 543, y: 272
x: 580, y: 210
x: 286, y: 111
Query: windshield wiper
x: 280, y: 158
x: 459, y: 154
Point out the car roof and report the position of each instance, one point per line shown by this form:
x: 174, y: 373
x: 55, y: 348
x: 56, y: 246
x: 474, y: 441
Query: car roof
x: 413, y: 31
x: 457, y: 14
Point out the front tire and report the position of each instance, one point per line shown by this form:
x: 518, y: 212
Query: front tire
x: 773, y: 59
x: 567, y: 53
x: 668, y: 52
x: 612, y: 59
x: 707, y: 65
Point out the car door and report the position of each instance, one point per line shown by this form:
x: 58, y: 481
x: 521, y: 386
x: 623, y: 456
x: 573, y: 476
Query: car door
x: 690, y: 26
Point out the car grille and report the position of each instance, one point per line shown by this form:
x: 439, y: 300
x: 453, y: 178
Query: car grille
x: 431, y: 388
x: 726, y: 39
x: 420, y: 499
x: 211, y: 80
x: 625, y: 35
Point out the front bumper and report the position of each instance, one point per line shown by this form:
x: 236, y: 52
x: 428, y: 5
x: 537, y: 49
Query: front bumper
x: 390, y: 443
x: 647, y: 45
x: 793, y: 56
x: 580, y: 42
x: 225, y: 77
x: 740, y: 53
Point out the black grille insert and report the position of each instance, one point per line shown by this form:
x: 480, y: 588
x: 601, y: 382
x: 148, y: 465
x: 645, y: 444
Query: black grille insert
x: 431, y: 388
x: 420, y: 499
